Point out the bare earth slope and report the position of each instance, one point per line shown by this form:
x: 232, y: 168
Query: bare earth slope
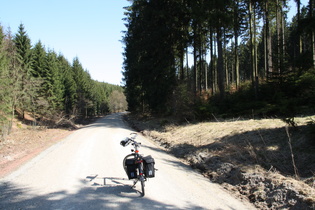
x: 249, y: 157
x: 25, y: 143
x: 84, y: 171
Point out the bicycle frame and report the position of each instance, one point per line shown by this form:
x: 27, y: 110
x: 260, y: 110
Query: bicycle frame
x: 138, y: 160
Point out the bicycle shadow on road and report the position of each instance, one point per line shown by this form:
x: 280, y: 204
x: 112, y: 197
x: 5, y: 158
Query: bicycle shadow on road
x: 116, y: 185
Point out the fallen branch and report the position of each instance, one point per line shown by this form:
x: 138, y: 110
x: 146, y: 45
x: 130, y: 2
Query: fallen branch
x: 292, y: 155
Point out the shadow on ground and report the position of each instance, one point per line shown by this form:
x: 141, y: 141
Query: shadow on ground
x: 116, y: 195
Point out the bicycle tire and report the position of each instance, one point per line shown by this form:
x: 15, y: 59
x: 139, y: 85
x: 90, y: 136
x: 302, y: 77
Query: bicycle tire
x: 142, y: 178
x: 142, y: 187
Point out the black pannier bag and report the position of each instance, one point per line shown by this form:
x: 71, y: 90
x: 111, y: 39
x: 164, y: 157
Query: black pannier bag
x: 149, y: 170
x: 131, y: 168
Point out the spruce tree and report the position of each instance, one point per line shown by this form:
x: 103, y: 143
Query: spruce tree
x: 23, y: 47
x: 54, y: 84
x: 70, y: 87
x: 38, y: 64
x: 29, y: 86
x: 5, y: 105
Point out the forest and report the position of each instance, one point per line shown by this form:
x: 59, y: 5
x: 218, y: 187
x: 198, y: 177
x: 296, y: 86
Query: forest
x: 196, y: 59
x: 46, y: 86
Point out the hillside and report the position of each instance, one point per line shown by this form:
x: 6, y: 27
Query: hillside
x: 250, y: 157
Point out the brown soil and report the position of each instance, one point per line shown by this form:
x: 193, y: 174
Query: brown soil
x: 24, y: 143
x: 249, y: 157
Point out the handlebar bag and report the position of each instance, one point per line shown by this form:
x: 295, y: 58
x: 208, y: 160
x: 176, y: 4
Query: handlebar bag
x: 131, y: 167
x: 149, y: 169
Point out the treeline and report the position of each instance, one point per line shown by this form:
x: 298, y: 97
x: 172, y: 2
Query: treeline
x: 245, y: 56
x: 44, y: 84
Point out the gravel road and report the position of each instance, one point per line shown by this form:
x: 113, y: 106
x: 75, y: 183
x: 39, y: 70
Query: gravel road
x: 84, y: 171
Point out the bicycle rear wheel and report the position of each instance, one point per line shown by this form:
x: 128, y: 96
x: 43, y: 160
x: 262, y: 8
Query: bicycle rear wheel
x: 142, y: 178
x: 142, y: 187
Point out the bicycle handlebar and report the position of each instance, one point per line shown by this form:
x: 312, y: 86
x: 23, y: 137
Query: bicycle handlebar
x: 128, y: 140
x: 134, y: 135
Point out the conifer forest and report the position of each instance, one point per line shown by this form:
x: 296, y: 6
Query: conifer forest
x: 193, y: 59
x: 204, y: 58
x: 46, y: 86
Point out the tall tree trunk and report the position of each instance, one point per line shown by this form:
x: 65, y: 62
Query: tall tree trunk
x: 298, y: 3
x: 311, y: 6
x: 269, y: 69
x: 195, y: 79
x: 205, y: 64
x: 212, y: 74
x: 313, y: 48
x: 187, y: 65
x: 265, y: 47
x: 236, y: 61
x: 227, y: 81
x: 252, y: 28
x: 251, y: 41
x: 280, y: 40
x: 200, y: 63
x: 278, y: 36
x: 255, y: 54
x: 206, y: 74
x: 182, y: 74
x: 220, y: 67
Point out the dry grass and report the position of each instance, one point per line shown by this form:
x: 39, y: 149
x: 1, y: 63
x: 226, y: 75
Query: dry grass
x: 208, y: 132
x: 264, y: 141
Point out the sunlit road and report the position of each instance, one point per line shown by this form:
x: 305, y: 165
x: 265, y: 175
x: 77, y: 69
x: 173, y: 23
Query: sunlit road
x: 84, y: 171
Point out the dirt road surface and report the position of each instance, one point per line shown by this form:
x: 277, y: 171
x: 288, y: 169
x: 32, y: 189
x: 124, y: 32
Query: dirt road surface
x: 84, y: 171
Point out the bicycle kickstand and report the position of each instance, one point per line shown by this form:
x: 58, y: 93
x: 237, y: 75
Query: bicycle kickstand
x: 134, y: 184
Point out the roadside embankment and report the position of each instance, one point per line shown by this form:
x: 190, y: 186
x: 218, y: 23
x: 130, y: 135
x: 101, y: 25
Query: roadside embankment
x: 262, y: 160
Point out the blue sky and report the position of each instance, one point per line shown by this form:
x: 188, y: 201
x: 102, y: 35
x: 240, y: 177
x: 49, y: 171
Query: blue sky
x: 88, y: 29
